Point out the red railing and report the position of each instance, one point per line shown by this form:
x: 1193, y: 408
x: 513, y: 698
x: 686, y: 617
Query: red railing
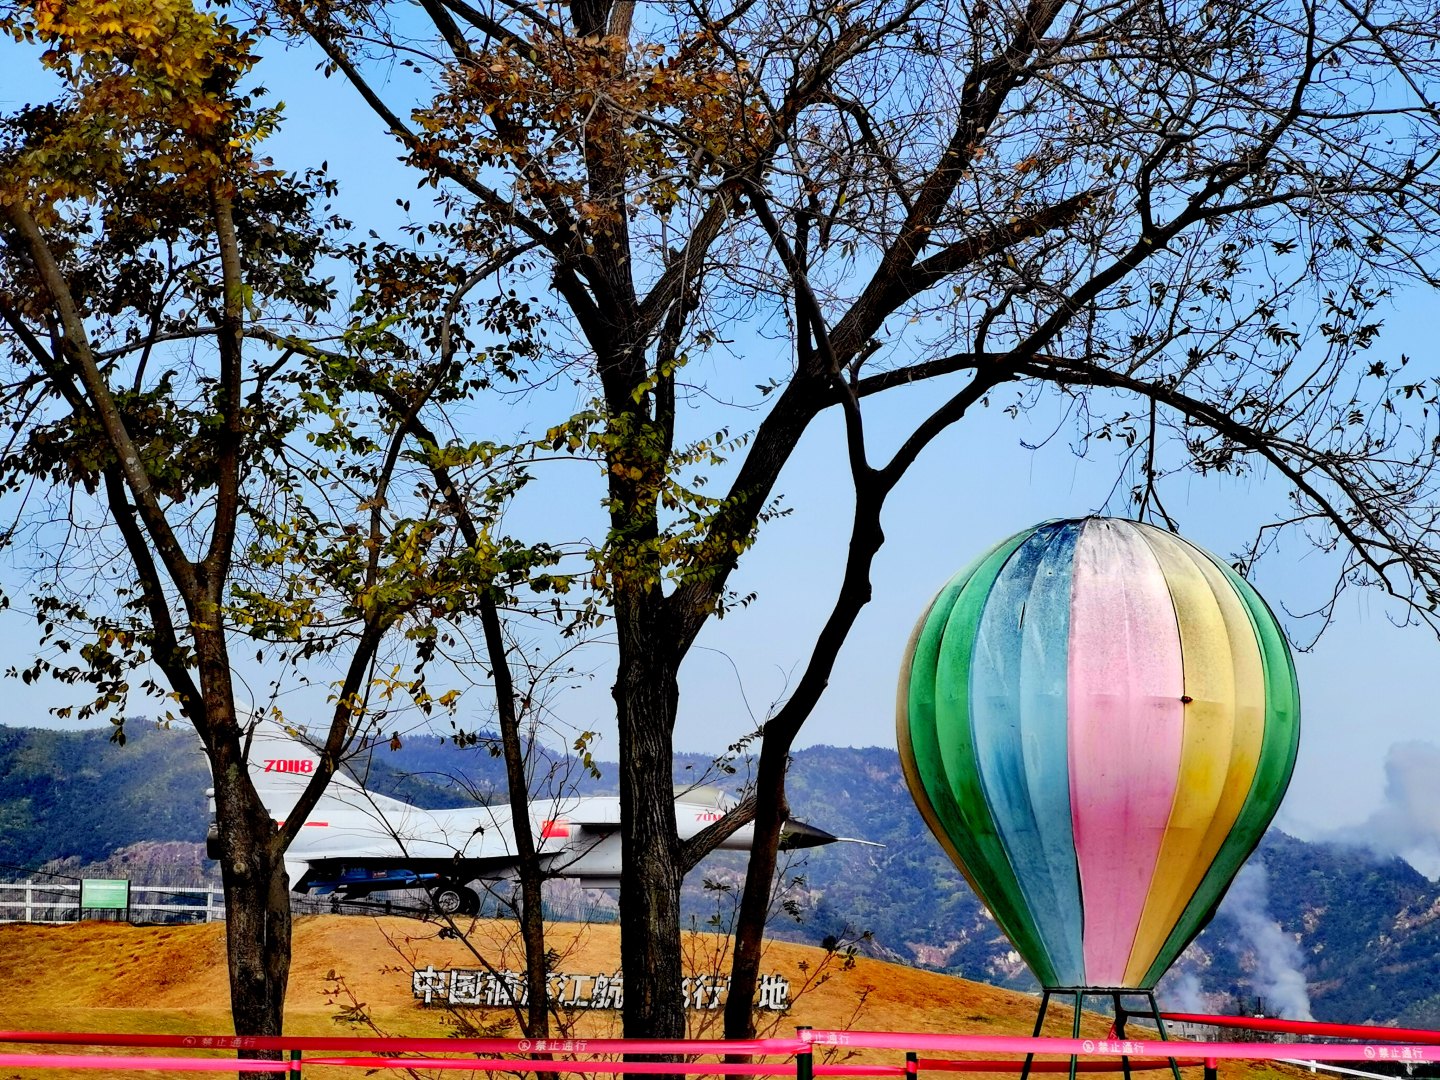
x: 1408, y: 1046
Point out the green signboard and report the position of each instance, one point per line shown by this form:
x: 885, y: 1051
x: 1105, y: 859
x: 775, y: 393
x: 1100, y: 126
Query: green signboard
x: 104, y: 893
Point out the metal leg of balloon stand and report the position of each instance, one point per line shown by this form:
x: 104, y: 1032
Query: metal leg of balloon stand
x: 1075, y: 1028
x: 1165, y: 1035
x: 1122, y: 1014
x: 1039, y: 1023
x: 1120, y: 1017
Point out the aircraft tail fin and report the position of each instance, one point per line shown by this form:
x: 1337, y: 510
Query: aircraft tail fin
x: 282, y: 761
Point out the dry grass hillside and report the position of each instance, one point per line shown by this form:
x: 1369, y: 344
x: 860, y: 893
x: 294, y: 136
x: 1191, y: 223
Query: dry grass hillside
x: 352, y: 975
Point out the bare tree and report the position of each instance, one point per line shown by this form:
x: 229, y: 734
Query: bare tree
x: 1184, y: 216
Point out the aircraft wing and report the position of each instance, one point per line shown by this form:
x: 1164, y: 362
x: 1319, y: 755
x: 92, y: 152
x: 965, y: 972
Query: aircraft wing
x: 359, y: 877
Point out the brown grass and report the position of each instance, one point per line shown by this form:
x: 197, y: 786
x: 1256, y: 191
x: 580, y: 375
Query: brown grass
x: 111, y: 977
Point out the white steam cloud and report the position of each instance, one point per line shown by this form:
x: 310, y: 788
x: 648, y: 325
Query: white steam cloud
x: 1182, y: 992
x: 1407, y: 823
x: 1277, y: 977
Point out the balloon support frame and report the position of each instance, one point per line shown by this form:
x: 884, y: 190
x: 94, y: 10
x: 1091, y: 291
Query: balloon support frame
x: 1117, y: 996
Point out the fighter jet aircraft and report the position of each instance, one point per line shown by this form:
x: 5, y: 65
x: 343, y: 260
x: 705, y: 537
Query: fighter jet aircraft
x: 356, y: 842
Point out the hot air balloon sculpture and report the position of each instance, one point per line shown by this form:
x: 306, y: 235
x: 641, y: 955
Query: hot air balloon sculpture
x: 1098, y: 720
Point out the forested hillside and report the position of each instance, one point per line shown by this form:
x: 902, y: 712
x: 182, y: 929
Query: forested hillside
x: 65, y: 794
x: 1308, y: 926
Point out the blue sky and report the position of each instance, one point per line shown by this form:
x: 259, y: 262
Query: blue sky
x: 1366, y: 686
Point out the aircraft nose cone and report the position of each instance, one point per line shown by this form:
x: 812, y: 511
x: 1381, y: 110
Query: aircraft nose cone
x: 796, y: 834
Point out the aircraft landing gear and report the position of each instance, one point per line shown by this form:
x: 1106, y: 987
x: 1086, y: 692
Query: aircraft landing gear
x: 451, y: 898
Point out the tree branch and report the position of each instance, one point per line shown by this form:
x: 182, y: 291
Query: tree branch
x: 715, y: 834
x: 76, y: 345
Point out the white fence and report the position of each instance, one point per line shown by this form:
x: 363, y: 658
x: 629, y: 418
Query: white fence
x: 59, y: 902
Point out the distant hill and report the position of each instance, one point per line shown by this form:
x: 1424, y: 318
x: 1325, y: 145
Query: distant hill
x: 1351, y: 936
x: 66, y: 794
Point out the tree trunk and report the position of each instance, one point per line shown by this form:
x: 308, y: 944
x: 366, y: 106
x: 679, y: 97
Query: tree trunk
x: 257, y: 936
x: 257, y: 906
x: 866, y: 539
x: 647, y: 697
x: 771, y: 810
x: 532, y: 916
x: 532, y: 931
